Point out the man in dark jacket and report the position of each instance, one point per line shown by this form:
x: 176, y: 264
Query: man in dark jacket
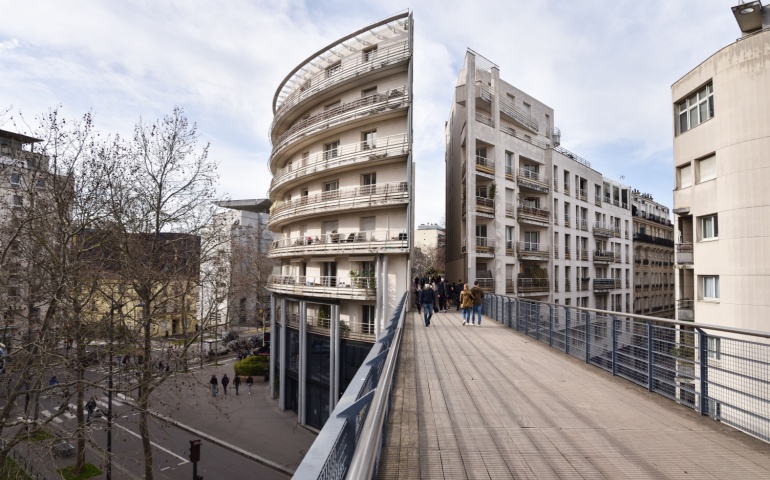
x: 427, y: 298
x: 225, y: 383
x: 458, y: 288
x: 441, y: 288
x: 478, y: 296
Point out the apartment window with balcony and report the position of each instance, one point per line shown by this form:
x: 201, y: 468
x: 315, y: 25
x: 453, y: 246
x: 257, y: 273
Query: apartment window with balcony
x: 508, y: 163
x: 508, y: 236
x: 16, y: 201
x: 367, y: 319
x: 15, y: 179
x: 368, y: 183
x: 706, y: 169
x: 331, y: 189
x: 714, y: 345
x: 684, y: 176
x: 369, y: 54
x: 531, y: 241
x: 710, y: 287
x: 333, y: 70
x: 331, y: 106
x: 481, y: 152
x: 709, y: 227
x: 369, y: 140
x: 369, y: 92
x: 698, y: 108
x: 331, y: 150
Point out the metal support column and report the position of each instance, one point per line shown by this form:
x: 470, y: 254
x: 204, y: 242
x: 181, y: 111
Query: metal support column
x: 302, y: 367
x: 566, y: 330
x: 537, y: 321
x: 703, y: 381
x: 587, y: 322
x: 334, y: 377
x: 273, y: 346
x: 284, y: 359
x: 614, y: 345
x: 649, y: 355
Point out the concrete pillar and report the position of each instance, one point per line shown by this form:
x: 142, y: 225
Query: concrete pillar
x: 273, y: 346
x: 384, y: 295
x: 301, y: 411
x: 334, y: 345
x: 284, y: 357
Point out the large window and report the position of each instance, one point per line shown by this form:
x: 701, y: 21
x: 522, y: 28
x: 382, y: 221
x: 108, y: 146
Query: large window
x: 369, y: 140
x: 710, y: 287
x: 698, y: 108
x: 709, y: 227
x: 331, y: 150
x: 707, y: 169
x: 685, y: 176
x: 369, y: 54
x: 333, y: 70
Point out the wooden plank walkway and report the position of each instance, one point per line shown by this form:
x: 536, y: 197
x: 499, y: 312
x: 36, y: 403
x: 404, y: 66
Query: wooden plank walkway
x: 490, y: 403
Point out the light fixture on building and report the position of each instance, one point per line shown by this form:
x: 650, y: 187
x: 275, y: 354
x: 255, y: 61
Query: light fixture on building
x: 749, y: 16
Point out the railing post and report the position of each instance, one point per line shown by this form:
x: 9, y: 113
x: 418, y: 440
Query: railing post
x: 526, y: 320
x: 508, y: 320
x: 703, y: 350
x: 588, y: 336
x: 537, y: 322
x: 614, y: 346
x: 550, y: 325
x: 518, y: 313
x: 649, y: 356
x: 566, y: 330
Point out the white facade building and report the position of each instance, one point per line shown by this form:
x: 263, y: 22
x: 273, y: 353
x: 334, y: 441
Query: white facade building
x: 429, y: 236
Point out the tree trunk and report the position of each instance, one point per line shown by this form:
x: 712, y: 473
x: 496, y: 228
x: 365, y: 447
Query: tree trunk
x: 80, y: 461
x: 144, y: 396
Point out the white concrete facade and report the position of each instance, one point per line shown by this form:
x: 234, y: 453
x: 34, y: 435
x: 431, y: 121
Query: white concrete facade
x: 526, y: 217
x: 429, y: 236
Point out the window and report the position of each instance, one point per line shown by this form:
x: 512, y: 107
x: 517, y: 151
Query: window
x: 369, y: 54
x: 16, y: 202
x: 40, y: 183
x: 367, y: 319
x: 508, y: 236
x: 369, y: 140
x: 15, y: 179
x: 369, y: 92
x: 710, y: 287
x: 368, y: 183
x: 709, y: 227
x: 332, y: 186
x: 714, y: 346
x: 333, y: 70
x: 531, y: 241
x: 368, y: 224
x: 528, y: 108
x: 331, y: 150
x: 508, y: 163
x: 685, y: 176
x: 707, y: 169
x: 330, y: 106
x: 698, y: 108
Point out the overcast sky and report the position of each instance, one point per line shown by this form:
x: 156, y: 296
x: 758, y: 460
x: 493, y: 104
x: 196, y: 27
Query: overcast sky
x: 604, y: 67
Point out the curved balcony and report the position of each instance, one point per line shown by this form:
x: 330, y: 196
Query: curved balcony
x: 345, y: 155
x: 356, y: 288
x: 354, y: 330
x: 532, y: 180
x: 350, y: 67
x: 381, y: 102
x: 533, y: 251
x: 392, y: 241
x: 366, y: 196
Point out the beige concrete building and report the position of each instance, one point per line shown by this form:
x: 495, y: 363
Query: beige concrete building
x: 525, y: 216
x: 342, y: 209
x: 429, y: 236
x: 653, y: 257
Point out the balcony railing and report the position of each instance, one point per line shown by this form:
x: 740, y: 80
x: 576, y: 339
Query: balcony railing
x: 485, y: 245
x: 519, y: 116
x: 603, y: 256
x: 485, y: 165
x: 370, y: 105
x: 684, y: 254
x: 510, y: 285
x: 508, y: 130
x: 509, y: 247
x: 582, y: 224
x: 350, y: 67
x: 555, y: 185
x: 603, y: 284
x: 534, y: 251
x: 532, y: 285
x: 374, y: 240
x: 555, y: 217
x: 532, y: 180
x: 567, y: 254
x: 566, y: 220
x: 344, y: 155
x: 604, y: 230
x: 345, y: 198
x: 534, y: 215
x: 567, y: 286
x: 485, y: 119
x: 582, y: 284
x: 598, y: 200
x: 566, y: 188
x: 509, y: 172
x: 556, y: 251
x: 643, y: 237
x: 685, y: 309
x: 510, y: 210
x: 581, y: 194
x: 487, y: 284
x: 583, y: 255
x: 485, y: 205
x: 363, y: 288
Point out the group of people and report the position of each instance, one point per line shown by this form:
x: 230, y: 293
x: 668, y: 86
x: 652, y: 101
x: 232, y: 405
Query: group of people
x: 437, y: 295
x: 226, y: 381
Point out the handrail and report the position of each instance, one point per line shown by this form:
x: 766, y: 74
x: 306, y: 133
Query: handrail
x: 519, y: 115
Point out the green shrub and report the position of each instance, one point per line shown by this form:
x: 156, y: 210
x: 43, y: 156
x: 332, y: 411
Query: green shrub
x: 253, y: 365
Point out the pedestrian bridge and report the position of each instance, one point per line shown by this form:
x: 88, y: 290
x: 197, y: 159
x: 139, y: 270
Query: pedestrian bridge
x: 491, y: 402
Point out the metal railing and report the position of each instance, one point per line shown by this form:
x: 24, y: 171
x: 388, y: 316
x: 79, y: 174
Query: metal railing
x: 684, y: 253
x: 533, y: 180
x: 573, y: 156
x: 508, y: 130
x: 533, y: 214
x: 342, y: 241
x: 604, y: 230
x: 335, y: 286
x: 485, y: 165
x: 533, y: 250
x: 520, y: 116
x: 718, y: 371
x: 533, y: 285
x: 485, y: 119
x: 485, y: 205
x: 348, y: 445
x: 603, y: 256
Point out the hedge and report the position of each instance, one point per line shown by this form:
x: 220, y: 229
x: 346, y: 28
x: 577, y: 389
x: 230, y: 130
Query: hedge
x: 253, y: 365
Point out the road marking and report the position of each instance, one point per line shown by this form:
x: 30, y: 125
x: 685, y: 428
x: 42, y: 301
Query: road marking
x: 184, y: 460
x: 48, y: 415
x: 164, y: 469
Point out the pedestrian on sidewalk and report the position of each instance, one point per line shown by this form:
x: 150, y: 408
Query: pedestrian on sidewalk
x: 214, y: 385
x: 458, y: 290
x: 237, y: 383
x: 466, y: 303
x: 225, y: 383
x: 478, y: 296
x: 90, y: 407
x: 427, y: 298
x: 249, y: 383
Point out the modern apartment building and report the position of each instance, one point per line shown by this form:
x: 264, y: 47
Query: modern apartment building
x: 653, y: 257
x: 342, y: 210
x: 525, y: 216
x: 721, y: 120
x: 429, y: 236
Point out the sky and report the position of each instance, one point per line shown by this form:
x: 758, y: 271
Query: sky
x: 606, y: 68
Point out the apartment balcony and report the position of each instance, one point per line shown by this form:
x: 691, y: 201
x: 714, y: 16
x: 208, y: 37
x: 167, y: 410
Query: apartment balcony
x: 485, y: 119
x: 511, y: 112
x: 510, y: 210
x: 582, y: 224
x: 604, y: 230
x: 485, y: 205
x: 508, y: 130
x: 348, y: 242
x: 555, y: 252
x: 325, y: 122
x: 603, y: 256
x: 567, y: 286
x: 487, y: 284
x: 685, y: 309
x: 566, y: 189
x: 484, y: 246
x: 534, y: 216
x: 351, y: 67
x: 567, y: 253
x: 582, y: 255
x: 510, y: 286
x: 533, y: 251
x: 643, y: 237
x: 581, y: 194
x: 533, y: 286
x: 684, y: 254
x: 353, y: 288
x: 531, y: 180
x: 509, y: 172
x: 603, y: 285
x: 351, y: 330
x: 485, y: 165
x: 567, y: 222
x: 555, y: 185
x: 583, y: 284
x: 510, y: 248
x: 343, y: 156
x: 344, y: 199
x: 30, y: 160
x: 598, y: 200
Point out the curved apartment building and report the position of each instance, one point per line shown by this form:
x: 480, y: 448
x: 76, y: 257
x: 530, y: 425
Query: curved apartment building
x: 341, y: 193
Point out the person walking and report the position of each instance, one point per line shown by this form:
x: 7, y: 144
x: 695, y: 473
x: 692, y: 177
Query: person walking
x: 214, y: 385
x: 417, y: 300
x: 237, y: 383
x: 249, y: 383
x: 441, y: 295
x: 90, y: 407
x: 225, y: 383
x: 458, y: 290
x: 427, y: 298
x: 478, y: 296
x: 466, y: 301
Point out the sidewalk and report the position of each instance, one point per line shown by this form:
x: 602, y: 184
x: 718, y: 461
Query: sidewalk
x: 251, y: 423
